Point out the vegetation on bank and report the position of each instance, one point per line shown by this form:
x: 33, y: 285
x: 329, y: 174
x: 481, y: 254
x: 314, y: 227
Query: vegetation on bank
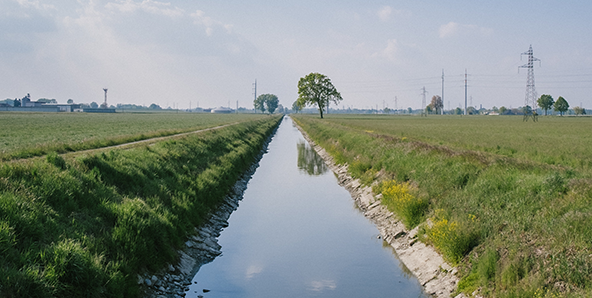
x: 26, y: 135
x: 85, y: 227
x: 518, y: 224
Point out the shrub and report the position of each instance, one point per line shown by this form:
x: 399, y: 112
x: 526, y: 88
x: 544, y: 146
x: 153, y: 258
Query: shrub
x: 452, y: 239
x: 398, y: 198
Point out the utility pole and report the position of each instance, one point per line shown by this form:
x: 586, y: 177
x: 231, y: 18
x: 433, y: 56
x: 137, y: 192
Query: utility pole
x: 105, y: 104
x: 465, y: 91
x: 531, y: 94
x: 255, y: 90
x: 442, y: 111
x: 423, y: 102
x: 396, y: 105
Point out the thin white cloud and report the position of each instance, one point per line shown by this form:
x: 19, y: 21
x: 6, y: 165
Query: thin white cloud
x: 149, y: 6
x: 200, y: 18
x: 389, y: 52
x: 34, y: 4
x: 453, y: 29
x: 384, y: 14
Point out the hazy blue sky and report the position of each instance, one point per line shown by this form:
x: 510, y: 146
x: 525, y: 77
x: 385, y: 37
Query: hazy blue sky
x: 211, y: 52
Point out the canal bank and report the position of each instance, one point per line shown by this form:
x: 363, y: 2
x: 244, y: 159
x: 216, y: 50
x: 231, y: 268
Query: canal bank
x: 297, y: 233
x: 434, y: 274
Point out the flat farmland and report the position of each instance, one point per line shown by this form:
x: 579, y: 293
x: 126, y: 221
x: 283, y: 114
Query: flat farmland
x: 24, y: 135
x: 551, y: 140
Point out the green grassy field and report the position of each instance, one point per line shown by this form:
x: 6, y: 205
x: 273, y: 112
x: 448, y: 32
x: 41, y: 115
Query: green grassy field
x: 517, y: 218
x: 25, y: 135
x: 552, y: 140
x: 86, y: 225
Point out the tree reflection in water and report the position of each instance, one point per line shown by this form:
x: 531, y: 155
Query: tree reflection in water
x: 309, y: 161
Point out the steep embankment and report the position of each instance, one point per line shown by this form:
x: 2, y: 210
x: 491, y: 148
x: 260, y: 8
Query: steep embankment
x: 85, y: 227
x: 514, y: 228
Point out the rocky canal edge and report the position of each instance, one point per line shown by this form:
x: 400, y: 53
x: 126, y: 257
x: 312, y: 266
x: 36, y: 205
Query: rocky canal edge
x: 436, y: 276
x: 202, y: 247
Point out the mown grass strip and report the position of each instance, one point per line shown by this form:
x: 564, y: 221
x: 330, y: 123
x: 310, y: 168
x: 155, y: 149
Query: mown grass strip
x: 515, y: 227
x: 85, y: 227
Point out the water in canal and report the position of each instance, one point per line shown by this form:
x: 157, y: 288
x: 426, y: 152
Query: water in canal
x: 297, y: 233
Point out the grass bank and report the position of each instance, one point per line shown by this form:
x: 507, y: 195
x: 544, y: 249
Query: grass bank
x: 85, y: 227
x: 517, y: 225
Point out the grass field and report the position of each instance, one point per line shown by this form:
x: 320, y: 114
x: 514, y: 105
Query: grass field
x: 517, y: 218
x: 25, y: 135
x: 552, y: 140
x: 86, y: 225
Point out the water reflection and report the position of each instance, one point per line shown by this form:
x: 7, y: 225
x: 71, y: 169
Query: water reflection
x: 309, y: 161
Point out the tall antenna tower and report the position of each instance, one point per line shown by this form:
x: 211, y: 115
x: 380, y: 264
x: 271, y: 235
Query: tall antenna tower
x: 105, y: 104
x: 531, y: 94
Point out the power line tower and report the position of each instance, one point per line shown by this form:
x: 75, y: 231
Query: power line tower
x: 531, y: 94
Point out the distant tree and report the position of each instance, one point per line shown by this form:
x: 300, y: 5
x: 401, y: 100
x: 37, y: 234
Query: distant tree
x: 409, y: 110
x: 317, y: 89
x: 458, y: 111
x: 259, y: 104
x: 387, y: 110
x: 267, y: 102
x: 281, y: 109
x: 437, y: 104
x: 296, y: 108
x: 579, y: 111
x: 561, y: 105
x: 17, y: 102
x: 154, y: 107
x: 495, y: 109
x: 472, y: 111
x: 428, y: 109
x: 70, y: 101
x: 94, y: 105
x: 545, y: 102
x: 271, y: 103
x: 502, y: 110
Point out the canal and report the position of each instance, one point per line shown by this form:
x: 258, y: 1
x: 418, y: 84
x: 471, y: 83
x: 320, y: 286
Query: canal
x: 297, y: 233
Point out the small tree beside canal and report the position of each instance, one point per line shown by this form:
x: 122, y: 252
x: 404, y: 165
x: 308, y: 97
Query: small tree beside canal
x: 317, y: 89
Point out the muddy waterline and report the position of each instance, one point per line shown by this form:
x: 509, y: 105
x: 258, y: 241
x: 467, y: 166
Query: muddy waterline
x: 297, y: 233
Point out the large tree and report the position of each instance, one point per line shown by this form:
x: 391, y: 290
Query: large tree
x: 561, y: 105
x: 317, y: 89
x: 267, y: 102
x: 545, y: 102
x: 437, y: 104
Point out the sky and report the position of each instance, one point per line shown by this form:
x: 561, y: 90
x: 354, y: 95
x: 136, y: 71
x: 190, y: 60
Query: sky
x: 378, y: 54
